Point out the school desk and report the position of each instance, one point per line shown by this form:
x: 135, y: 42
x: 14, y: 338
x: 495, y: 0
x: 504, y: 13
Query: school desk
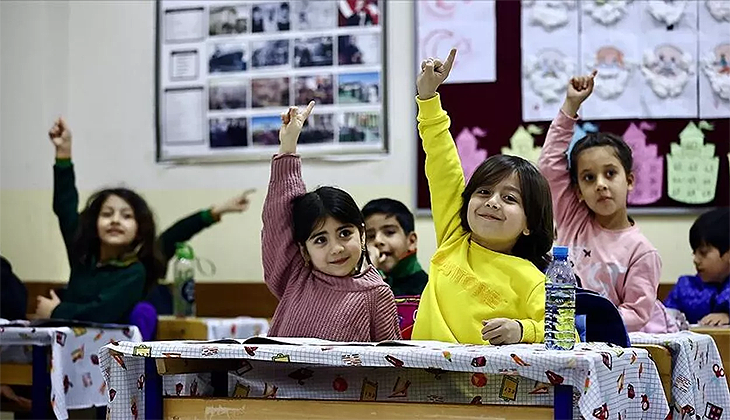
x: 75, y: 380
x: 193, y: 328
x: 721, y: 335
x: 592, y: 380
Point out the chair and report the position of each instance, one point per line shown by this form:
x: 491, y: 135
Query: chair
x: 603, y: 322
x: 144, y: 317
x: 407, y: 307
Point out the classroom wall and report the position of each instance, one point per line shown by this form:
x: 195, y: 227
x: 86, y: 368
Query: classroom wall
x: 93, y: 62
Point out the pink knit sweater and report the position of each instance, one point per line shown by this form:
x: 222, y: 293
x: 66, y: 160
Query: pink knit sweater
x: 311, y: 303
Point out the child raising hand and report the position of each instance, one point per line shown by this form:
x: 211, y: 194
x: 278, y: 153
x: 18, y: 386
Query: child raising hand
x: 314, y: 256
x: 492, y: 233
x: 590, y: 189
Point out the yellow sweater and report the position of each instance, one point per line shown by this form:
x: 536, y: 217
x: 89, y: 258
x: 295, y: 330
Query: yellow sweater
x: 467, y: 283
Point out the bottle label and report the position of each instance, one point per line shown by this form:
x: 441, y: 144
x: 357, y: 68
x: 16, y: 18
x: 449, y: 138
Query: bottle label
x: 188, y: 291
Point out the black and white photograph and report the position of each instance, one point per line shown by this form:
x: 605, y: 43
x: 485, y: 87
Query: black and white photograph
x: 270, y: 17
x: 358, y: 88
x: 313, y: 52
x: 314, y: 88
x: 270, y: 53
x: 319, y: 128
x: 227, y: 94
x: 227, y: 58
x: 358, y: 13
x: 265, y: 130
x: 228, y: 132
x: 228, y: 20
x: 270, y: 92
x: 359, y: 49
x: 313, y: 14
x: 359, y: 127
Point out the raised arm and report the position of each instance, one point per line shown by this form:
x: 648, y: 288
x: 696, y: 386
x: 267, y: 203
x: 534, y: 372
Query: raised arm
x: 65, y: 195
x: 280, y: 254
x: 553, y: 162
x: 443, y: 167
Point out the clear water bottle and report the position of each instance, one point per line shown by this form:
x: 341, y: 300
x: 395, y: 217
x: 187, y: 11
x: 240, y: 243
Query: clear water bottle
x: 560, y: 302
x: 183, y: 303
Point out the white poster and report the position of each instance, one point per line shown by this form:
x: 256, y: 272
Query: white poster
x: 714, y: 59
x: 229, y: 69
x: 470, y: 26
x: 550, y: 56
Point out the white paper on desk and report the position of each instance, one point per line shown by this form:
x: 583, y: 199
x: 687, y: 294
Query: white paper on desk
x: 714, y: 70
x: 613, y: 50
x: 669, y: 68
x: 549, y: 60
x: 469, y: 26
x: 184, y: 117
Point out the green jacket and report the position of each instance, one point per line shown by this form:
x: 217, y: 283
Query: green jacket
x: 407, y: 278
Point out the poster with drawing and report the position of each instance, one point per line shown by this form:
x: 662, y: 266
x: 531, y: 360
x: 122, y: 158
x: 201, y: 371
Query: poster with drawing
x: 609, y: 44
x: 228, y: 69
x: 550, y: 55
x: 470, y: 26
x: 669, y: 59
x: 714, y: 59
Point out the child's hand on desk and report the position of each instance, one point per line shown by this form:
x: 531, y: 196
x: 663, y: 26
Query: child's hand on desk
x: 433, y: 74
x: 292, y: 122
x: 60, y: 136
x: 715, y: 319
x: 46, y: 306
x: 501, y: 331
x: 235, y: 204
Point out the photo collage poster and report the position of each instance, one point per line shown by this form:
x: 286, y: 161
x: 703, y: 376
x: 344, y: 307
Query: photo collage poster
x: 228, y: 69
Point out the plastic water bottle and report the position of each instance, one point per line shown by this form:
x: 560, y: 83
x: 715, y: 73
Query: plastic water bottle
x: 560, y: 302
x: 183, y: 303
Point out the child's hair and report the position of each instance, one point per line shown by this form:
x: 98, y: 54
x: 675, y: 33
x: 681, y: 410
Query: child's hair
x: 621, y: 149
x: 86, y: 244
x: 391, y: 207
x: 311, y: 209
x: 536, y: 202
x: 711, y: 228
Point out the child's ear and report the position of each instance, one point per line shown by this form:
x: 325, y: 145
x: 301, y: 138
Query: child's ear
x: 305, y: 254
x: 412, y: 242
x: 630, y: 180
x: 578, y: 194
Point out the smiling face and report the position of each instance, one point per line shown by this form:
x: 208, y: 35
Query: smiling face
x: 334, y: 248
x: 495, y: 215
x: 116, y: 224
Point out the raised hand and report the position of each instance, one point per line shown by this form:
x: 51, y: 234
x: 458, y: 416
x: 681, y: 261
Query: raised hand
x: 579, y: 89
x: 60, y: 136
x: 292, y: 122
x: 433, y: 74
x: 235, y: 204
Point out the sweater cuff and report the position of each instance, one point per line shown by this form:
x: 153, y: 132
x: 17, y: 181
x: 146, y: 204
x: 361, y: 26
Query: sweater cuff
x: 208, y: 218
x: 429, y: 108
x: 64, y: 163
x: 564, y: 119
x: 528, y: 330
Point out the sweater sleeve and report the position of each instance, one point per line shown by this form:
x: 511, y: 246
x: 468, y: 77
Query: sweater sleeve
x: 554, y: 166
x: 280, y: 254
x: 443, y: 167
x: 385, y: 316
x: 66, y: 201
x: 674, y: 299
x: 533, y: 327
x: 639, y: 291
x: 111, y: 305
x: 182, y: 231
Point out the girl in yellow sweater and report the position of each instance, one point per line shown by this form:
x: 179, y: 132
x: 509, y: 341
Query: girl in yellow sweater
x: 493, y: 235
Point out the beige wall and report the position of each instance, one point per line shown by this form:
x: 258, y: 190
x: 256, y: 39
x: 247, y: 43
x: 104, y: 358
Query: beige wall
x: 94, y: 63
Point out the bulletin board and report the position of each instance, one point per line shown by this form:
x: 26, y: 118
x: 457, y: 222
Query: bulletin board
x: 488, y: 118
x: 226, y: 70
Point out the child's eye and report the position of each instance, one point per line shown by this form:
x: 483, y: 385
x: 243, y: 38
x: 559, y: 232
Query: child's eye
x: 370, y: 237
x: 345, y: 233
x: 510, y: 198
x: 588, y: 178
x: 484, y: 191
x: 390, y: 232
x: 319, y: 240
x: 610, y: 173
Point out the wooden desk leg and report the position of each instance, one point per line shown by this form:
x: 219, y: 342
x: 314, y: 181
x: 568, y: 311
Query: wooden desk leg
x: 41, y: 383
x: 152, y: 391
x: 563, y: 402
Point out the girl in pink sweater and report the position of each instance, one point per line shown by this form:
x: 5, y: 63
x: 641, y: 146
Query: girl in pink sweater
x: 314, y: 258
x: 589, y: 192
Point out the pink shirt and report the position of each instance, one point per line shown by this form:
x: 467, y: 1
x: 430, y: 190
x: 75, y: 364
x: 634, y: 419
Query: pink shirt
x: 311, y: 303
x: 621, y: 265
